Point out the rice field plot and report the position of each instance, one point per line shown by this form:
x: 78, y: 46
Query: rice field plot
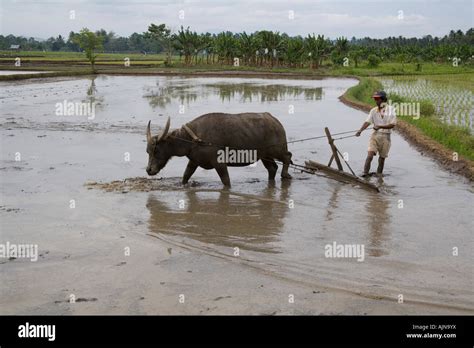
x: 451, y: 95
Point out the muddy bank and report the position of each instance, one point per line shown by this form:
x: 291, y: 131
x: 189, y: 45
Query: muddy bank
x: 39, y: 74
x: 424, y: 144
x: 144, y: 71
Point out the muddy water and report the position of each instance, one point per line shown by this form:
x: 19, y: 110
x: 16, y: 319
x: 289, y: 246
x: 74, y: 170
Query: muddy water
x: 206, y: 242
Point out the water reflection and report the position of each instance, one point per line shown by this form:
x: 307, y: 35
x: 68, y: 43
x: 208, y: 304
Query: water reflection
x: 165, y: 93
x: 251, y: 222
x: 162, y: 94
x: 333, y: 203
x: 93, y: 97
x: 378, y: 222
x: 377, y: 216
x: 249, y: 92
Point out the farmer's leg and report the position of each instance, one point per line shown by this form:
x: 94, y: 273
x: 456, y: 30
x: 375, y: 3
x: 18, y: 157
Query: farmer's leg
x: 368, y: 161
x: 381, y: 164
x: 371, y: 151
x: 383, y: 153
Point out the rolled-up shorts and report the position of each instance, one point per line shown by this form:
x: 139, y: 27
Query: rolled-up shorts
x: 380, y: 143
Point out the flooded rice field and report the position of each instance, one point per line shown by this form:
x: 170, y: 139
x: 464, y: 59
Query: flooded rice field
x: 452, y: 96
x: 118, y: 241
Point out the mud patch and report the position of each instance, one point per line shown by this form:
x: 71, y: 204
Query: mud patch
x: 140, y: 184
x: 80, y: 299
x: 9, y: 210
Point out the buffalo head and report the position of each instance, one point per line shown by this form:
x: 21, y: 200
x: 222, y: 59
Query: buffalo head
x: 158, y: 149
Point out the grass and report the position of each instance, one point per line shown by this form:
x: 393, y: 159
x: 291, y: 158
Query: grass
x: 458, y: 139
x: 362, y: 93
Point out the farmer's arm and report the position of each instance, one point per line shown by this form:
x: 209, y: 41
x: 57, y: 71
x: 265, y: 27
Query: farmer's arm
x: 388, y: 126
x: 367, y: 123
x: 393, y: 121
x: 364, y: 126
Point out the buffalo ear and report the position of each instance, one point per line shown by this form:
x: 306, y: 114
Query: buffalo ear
x: 165, y: 131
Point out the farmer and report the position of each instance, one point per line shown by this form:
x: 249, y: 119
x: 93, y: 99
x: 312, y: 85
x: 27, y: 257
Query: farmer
x: 383, y: 118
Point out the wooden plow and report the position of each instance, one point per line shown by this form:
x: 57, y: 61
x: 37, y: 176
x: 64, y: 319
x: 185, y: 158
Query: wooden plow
x: 339, y: 174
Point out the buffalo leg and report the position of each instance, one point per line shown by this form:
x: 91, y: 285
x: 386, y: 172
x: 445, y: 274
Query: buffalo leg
x: 271, y: 166
x: 190, y: 169
x: 286, y: 164
x: 221, y: 169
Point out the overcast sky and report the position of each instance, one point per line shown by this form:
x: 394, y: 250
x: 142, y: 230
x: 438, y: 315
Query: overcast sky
x: 359, y: 18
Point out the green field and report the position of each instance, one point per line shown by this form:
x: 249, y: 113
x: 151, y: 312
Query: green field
x: 39, y: 59
x: 451, y: 95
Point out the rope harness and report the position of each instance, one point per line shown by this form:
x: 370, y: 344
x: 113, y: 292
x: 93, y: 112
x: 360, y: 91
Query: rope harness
x: 199, y: 141
x: 191, y: 133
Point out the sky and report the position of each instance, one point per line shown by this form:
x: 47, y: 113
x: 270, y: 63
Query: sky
x: 359, y: 18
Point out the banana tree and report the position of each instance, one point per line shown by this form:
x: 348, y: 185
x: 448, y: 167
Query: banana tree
x: 340, y: 50
x: 248, y: 45
x: 294, y: 51
x: 225, y: 46
x: 184, y: 41
x: 317, y: 48
x: 272, y: 44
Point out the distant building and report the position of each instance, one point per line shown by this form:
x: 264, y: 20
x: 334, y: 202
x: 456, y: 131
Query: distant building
x: 15, y: 47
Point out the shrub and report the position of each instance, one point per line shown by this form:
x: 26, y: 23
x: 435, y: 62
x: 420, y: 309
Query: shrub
x: 373, y: 60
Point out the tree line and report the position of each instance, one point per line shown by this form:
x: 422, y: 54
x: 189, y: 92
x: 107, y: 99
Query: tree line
x: 111, y: 43
x: 266, y: 48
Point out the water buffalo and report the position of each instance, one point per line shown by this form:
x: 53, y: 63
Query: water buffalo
x: 227, y: 140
